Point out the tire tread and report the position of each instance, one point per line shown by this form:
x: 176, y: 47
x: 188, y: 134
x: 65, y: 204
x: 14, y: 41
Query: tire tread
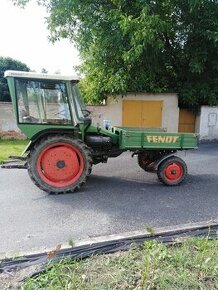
x: 52, y: 139
x: 162, y: 165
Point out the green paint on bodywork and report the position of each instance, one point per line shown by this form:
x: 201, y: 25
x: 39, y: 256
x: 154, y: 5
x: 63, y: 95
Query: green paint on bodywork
x: 156, y: 140
x: 32, y: 130
x: 11, y: 86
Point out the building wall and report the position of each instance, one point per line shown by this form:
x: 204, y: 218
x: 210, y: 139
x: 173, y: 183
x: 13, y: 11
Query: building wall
x: 98, y: 113
x: 7, y: 119
x: 208, y: 124
x: 206, y: 121
x: 113, y: 110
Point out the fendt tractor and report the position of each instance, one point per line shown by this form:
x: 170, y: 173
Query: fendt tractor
x: 64, y: 144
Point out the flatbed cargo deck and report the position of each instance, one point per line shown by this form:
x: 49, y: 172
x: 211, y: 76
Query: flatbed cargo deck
x: 137, y: 138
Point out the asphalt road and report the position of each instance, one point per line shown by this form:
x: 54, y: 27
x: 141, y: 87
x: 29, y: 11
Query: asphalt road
x: 118, y: 197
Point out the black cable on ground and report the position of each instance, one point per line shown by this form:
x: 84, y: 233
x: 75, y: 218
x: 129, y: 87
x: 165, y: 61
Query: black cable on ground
x: 106, y: 247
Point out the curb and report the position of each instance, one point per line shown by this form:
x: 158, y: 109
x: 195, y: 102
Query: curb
x: 113, y: 237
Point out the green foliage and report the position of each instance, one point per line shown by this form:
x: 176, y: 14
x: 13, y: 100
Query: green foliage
x: 7, y: 63
x: 142, y: 45
x: 11, y: 147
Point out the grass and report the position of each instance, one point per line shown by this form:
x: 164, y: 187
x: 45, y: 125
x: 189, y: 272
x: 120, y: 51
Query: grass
x: 71, y: 242
x: 190, y: 265
x: 11, y: 147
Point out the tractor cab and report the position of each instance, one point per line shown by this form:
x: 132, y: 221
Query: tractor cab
x: 42, y: 99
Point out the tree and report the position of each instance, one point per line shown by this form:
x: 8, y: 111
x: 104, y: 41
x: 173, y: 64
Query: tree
x: 7, y: 63
x: 142, y: 45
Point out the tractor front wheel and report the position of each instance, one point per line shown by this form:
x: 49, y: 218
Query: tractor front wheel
x: 172, y: 171
x: 59, y: 164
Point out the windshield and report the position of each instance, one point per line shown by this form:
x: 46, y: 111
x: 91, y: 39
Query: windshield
x: 79, y: 101
x: 42, y: 101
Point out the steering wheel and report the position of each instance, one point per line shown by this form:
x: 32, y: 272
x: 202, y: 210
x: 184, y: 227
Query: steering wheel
x: 60, y: 113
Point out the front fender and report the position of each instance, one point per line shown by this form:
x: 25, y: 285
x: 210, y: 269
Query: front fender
x: 50, y: 132
x: 159, y: 161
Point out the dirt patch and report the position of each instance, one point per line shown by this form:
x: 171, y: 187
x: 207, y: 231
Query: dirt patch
x: 14, y: 279
x: 12, y: 135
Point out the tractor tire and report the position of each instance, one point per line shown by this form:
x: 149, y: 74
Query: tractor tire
x: 172, y: 171
x: 59, y: 164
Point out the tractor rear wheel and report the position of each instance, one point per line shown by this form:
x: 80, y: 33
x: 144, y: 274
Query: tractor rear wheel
x: 172, y: 171
x: 59, y: 164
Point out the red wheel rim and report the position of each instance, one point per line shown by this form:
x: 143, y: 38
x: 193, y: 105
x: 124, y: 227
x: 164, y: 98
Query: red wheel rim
x: 174, y: 171
x: 60, y: 164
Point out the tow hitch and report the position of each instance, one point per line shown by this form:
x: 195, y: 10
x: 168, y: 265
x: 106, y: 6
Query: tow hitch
x: 15, y: 162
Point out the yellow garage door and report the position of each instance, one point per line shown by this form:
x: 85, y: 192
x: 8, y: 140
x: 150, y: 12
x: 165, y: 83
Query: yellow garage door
x: 186, y: 121
x: 147, y: 114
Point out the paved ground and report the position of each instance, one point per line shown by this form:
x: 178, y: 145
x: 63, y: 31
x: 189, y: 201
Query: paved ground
x: 118, y: 197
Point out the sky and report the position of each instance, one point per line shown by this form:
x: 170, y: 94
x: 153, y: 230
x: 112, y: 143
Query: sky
x: 24, y: 37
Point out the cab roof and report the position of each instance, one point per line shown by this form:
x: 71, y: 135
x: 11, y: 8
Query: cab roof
x: 32, y: 75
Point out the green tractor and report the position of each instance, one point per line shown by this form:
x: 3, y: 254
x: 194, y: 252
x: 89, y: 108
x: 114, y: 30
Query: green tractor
x: 64, y: 144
